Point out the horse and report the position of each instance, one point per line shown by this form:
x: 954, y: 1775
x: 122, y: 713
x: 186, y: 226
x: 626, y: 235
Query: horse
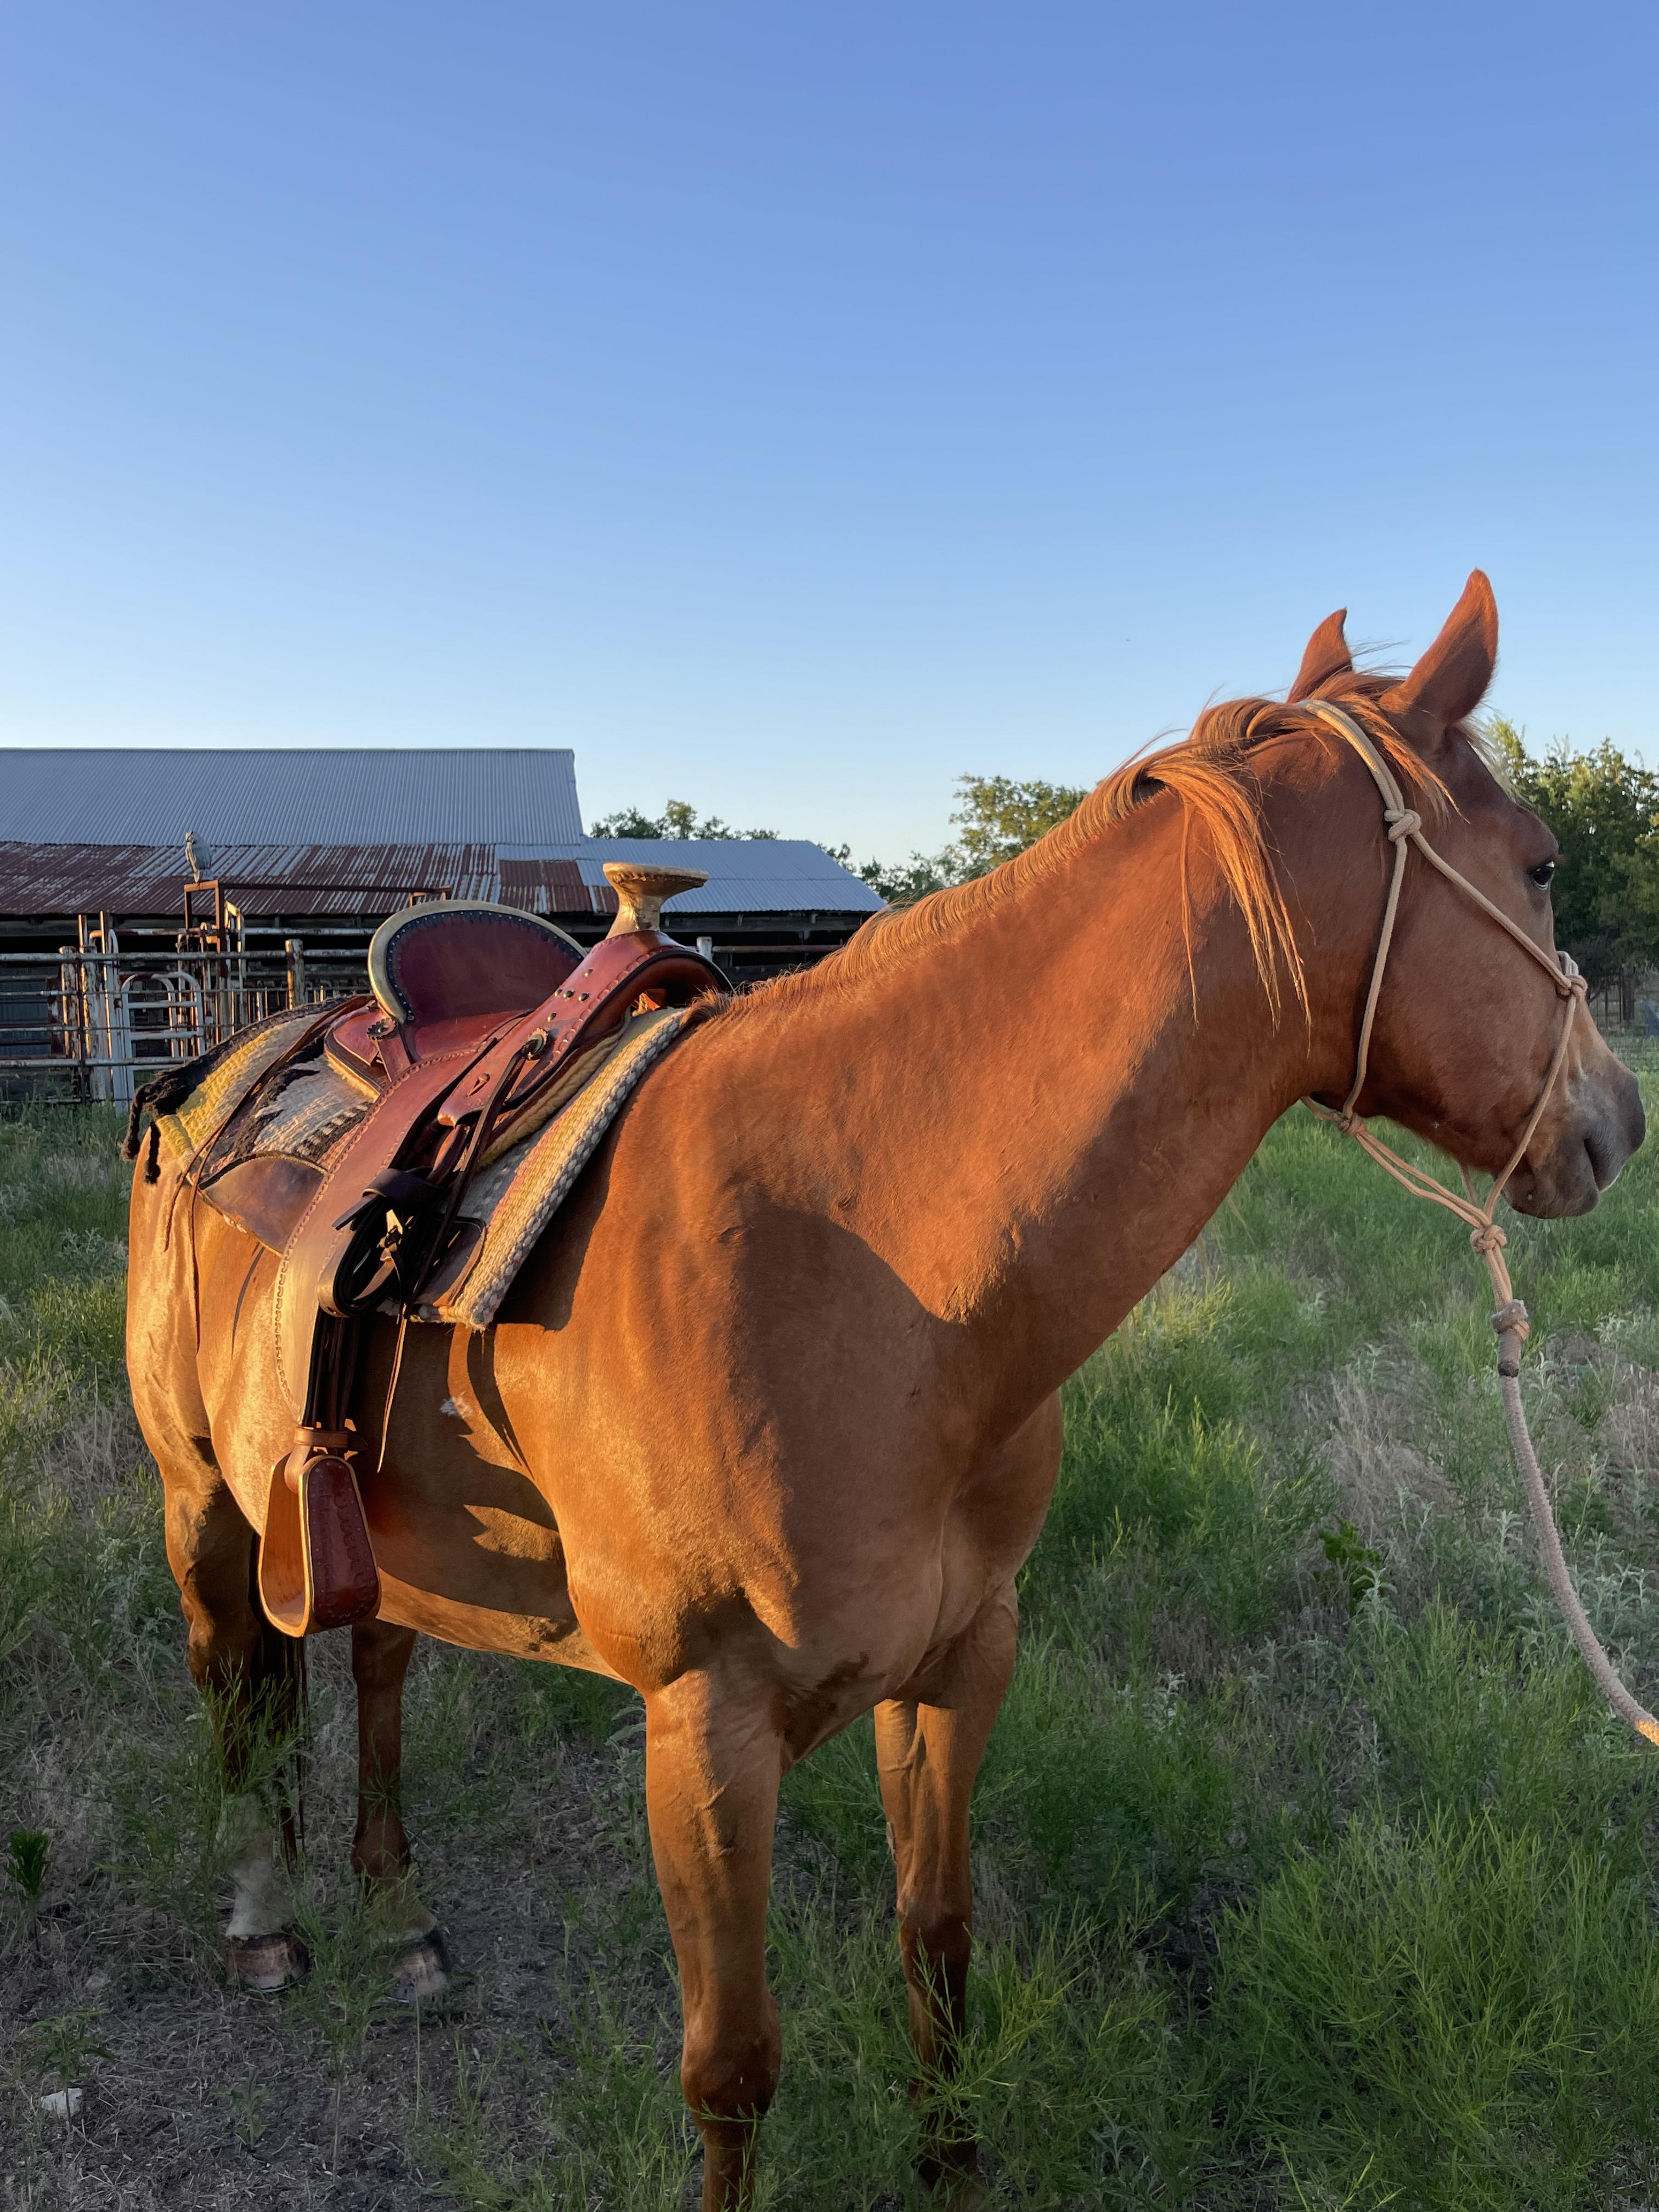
x: 770, y: 1420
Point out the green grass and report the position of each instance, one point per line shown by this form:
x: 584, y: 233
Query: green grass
x: 1311, y: 1873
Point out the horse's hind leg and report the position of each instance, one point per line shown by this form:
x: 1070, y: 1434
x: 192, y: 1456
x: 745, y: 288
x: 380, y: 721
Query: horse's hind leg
x: 380, y: 1653
x: 928, y: 1752
x: 244, y: 1672
x: 712, y: 1769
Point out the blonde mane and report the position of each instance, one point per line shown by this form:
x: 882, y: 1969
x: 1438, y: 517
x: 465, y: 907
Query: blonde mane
x: 1211, y: 772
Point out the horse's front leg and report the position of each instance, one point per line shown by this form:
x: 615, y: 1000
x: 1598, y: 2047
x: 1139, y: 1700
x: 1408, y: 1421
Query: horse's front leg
x: 380, y: 1857
x: 713, y: 1759
x: 928, y: 1752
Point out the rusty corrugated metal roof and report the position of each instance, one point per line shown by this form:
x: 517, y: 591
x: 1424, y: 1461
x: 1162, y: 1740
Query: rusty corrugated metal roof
x: 37, y: 880
x: 772, y: 876
x: 151, y: 795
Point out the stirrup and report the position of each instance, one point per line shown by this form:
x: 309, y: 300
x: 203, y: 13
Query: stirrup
x: 317, y: 1566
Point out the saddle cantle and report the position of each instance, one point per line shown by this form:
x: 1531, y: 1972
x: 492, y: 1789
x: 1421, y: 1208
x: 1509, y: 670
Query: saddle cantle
x: 482, y: 1021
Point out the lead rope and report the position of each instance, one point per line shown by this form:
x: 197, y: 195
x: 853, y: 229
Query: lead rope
x: 1405, y: 827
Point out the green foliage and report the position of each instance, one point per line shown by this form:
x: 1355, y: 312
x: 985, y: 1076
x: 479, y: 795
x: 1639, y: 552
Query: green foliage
x: 906, y: 882
x: 997, y: 817
x: 1604, y: 808
x: 678, y: 819
x: 27, y: 1852
x: 66, y: 2045
x: 1358, y: 1566
x: 1448, y: 2014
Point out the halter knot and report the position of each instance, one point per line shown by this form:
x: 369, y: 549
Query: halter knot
x: 1512, y: 1317
x: 1402, y: 821
x: 1489, y: 1237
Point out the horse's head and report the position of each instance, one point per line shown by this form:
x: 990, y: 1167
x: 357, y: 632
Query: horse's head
x: 1468, y: 1024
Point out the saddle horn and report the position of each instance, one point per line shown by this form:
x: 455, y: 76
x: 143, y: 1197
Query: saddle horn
x: 641, y: 890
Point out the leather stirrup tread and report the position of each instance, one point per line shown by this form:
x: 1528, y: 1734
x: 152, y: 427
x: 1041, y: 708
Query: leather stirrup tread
x: 316, y: 1564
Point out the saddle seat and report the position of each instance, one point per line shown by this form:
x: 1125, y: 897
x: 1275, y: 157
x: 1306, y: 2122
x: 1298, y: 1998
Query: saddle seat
x: 443, y: 973
x: 482, y: 1021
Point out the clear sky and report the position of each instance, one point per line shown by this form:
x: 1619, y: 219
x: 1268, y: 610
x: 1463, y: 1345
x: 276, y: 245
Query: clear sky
x: 792, y: 404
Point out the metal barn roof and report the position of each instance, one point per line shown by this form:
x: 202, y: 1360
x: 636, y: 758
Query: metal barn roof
x: 149, y: 879
x: 406, y: 795
x: 765, y: 876
x: 758, y: 875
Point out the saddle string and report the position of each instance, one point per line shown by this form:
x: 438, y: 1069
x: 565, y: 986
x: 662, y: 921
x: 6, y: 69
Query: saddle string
x: 1405, y: 827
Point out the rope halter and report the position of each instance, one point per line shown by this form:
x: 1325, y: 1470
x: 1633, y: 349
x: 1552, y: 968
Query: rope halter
x: 1404, y: 829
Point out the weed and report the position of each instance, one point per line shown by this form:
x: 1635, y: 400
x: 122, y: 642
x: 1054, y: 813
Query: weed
x: 29, y: 1850
x: 65, y: 2045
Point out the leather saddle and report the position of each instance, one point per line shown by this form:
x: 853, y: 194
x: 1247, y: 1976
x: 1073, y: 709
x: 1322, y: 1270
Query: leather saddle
x: 480, y: 1019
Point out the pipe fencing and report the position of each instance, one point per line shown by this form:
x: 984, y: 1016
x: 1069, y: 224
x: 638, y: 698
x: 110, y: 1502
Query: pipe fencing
x: 95, y: 1020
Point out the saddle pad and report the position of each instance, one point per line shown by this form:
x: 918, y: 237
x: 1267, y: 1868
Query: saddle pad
x: 515, y: 1197
x: 316, y: 1106
x: 231, y: 1074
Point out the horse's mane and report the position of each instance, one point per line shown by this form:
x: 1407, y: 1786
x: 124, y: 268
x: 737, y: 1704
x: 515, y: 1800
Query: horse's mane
x: 1210, y: 771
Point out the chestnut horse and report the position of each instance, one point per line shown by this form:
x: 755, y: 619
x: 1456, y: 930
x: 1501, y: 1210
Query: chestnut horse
x: 771, y: 1421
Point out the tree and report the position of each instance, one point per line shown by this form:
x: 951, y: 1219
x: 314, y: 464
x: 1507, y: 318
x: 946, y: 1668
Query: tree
x: 1604, y: 808
x: 997, y: 817
x: 678, y: 819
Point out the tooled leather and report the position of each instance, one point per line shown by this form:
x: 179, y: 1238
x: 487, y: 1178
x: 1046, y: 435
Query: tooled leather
x: 317, y: 1566
x: 343, y: 1583
x: 374, y: 1145
x: 615, y: 969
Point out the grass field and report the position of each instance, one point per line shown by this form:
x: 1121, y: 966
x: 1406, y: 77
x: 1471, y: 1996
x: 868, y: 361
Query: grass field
x: 1311, y: 1872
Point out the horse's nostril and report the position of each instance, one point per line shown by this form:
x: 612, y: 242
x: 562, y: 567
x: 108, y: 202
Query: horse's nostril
x: 1635, y: 1120
x: 1611, y: 1137
x: 1603, y: 1163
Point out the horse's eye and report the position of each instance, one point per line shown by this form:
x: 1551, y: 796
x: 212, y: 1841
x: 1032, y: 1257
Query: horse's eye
x: 1540, y: 875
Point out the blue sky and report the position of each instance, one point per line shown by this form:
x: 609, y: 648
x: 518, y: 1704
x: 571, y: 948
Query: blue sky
x: 792, y: 405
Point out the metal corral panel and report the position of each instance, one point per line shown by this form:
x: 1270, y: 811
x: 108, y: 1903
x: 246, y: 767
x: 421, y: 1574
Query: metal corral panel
x: 406, y: 795
x: 762, y: 875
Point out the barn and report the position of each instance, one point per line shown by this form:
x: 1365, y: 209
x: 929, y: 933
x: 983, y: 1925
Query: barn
x: 161, y: 893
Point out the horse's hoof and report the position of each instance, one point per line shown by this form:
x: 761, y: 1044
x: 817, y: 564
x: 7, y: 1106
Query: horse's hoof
x: 266, y: 1963
x: 422, y: 1970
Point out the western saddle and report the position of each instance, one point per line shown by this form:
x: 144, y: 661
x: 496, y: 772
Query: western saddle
x: 480, y: 1020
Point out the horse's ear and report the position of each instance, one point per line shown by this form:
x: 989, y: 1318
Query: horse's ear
x: 1327, y: 655
x: 1450, y: 680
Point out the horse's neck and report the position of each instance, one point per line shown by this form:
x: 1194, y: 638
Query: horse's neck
x: 1043, y: 1107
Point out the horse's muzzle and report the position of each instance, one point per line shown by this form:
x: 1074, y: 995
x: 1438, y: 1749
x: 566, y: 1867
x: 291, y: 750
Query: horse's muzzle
x: 1605, y: 1124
